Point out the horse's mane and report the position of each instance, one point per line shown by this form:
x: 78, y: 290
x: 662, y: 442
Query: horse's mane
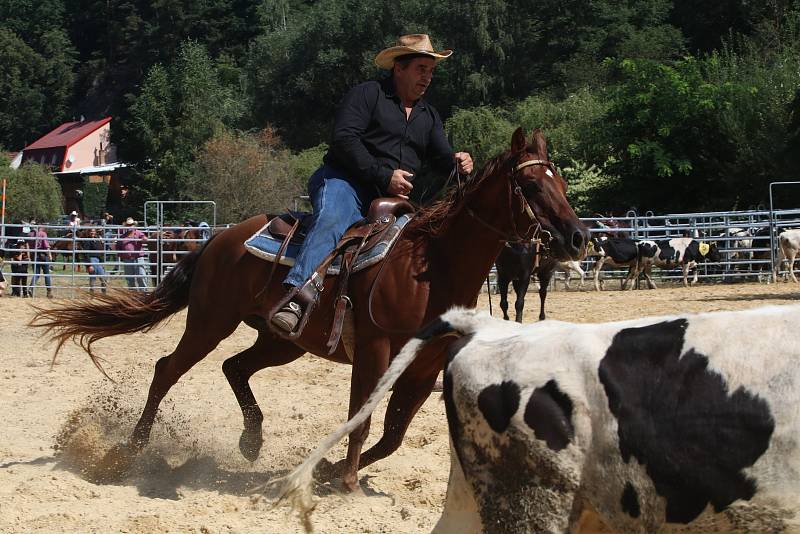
x: 433, y: 220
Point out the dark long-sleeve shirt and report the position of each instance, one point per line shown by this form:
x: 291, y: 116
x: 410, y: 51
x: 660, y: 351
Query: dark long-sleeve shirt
x: 93, y: 248
x: 372, y: 137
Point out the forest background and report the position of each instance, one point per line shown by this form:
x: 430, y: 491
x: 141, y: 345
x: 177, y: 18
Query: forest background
x: 662, y: 105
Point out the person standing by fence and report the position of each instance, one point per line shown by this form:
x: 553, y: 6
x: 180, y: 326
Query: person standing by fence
x: 19, y: 268
x: 94, y: 248
x: 42, y: 256
x: 130, y: 247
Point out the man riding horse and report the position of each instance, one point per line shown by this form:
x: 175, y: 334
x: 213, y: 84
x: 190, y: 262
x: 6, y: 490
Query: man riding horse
x: 382, y: 133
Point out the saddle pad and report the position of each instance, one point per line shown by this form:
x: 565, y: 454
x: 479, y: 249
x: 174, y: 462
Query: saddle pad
x: 266, y: 247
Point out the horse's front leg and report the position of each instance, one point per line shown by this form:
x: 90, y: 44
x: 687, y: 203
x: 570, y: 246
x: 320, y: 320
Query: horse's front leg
x: 502, y: 288
x: 520, y: 289
x: 544, y: 283
x: 370, y: 362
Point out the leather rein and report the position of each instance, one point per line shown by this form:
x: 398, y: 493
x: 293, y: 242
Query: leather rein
x: 540, y: 235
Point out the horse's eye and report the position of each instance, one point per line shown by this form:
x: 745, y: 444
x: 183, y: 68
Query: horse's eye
x: 530, y: 188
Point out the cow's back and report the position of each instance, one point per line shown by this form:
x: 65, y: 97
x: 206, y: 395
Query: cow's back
x: 651, y: 424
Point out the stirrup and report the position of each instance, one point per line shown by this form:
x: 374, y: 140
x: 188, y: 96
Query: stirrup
x: 304, y: 297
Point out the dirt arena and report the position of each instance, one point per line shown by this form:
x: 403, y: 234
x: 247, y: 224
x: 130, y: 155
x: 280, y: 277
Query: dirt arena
x: 58, y: 420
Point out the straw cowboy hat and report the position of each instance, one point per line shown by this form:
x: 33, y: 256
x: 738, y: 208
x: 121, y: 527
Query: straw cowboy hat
x: 416, y: 43
x: 129, y: 222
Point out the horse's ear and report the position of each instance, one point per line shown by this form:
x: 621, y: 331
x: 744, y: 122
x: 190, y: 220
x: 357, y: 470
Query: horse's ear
x: 538, y: 140
x: 518, y: 142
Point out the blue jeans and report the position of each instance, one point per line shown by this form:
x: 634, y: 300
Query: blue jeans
x: 41, y: 266
x: 99, y: 273
x: 338, y: 204
x: 136, y: 273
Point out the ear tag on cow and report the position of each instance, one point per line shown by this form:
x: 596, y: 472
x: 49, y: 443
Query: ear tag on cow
x: 704, y: 249
x: 548, y: 173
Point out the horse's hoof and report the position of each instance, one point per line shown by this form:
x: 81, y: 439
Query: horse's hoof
x: 325, y: 471
x: 250, y: 444
x: 350, y: 483
x: 114, y: 465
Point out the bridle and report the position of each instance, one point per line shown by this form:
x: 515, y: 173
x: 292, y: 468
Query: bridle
x: 540, y: 236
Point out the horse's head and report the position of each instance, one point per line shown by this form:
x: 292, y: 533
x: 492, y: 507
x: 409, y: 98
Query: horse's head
x: 538, y: 199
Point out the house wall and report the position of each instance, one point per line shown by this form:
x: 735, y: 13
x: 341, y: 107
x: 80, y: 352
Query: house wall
x: 94, y: 149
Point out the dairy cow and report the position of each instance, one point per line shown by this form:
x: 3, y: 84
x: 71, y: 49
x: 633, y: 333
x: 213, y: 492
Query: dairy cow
x: 669, y: 424
x: 683, y: 252
x: 788, y: 248
x: 617, y: 252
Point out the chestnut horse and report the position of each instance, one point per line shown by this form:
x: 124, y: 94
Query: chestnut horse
x: 439, y: 261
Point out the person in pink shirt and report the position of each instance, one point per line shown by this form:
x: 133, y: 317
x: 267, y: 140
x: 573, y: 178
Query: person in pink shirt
x: 42, y: 257
x: 130, y: 249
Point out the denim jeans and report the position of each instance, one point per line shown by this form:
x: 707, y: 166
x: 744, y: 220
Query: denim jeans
x: 41, y: 266
x: 337, y: 203
x: 136, y: 273
x: 99, y: 272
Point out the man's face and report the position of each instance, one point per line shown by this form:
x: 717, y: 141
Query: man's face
x: 412, y: 82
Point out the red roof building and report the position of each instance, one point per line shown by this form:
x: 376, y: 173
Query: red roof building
x: 73, y: 146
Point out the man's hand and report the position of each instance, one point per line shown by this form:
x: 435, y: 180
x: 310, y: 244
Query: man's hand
x: 464, y: 162
x: 399, y: 185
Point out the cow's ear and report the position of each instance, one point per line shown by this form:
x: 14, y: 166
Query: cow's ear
x: 518, y: 142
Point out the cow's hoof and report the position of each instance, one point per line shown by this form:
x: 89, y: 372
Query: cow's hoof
x: 250, y: 444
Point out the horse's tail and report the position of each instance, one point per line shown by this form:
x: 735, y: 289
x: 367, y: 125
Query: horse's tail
x: 119, y: 312
x: 296, y: 486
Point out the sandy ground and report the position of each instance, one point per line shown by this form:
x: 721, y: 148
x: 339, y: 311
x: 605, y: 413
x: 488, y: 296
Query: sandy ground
x: 57, y: 421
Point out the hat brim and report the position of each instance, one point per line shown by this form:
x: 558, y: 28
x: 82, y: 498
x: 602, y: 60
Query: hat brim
x: 385, y: 58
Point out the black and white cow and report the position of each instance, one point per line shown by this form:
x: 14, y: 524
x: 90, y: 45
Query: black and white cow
x: 683, y: 252
x: 2, y: 279
x: 666, y: 424
x: 617, y: 252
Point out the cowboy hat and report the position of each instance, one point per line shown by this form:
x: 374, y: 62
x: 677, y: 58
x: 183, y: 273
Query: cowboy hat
x: 416, y: 43
x: 129, y: 222
x: 75, y: 213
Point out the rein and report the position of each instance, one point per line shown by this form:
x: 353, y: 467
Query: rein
x: 517, y: 190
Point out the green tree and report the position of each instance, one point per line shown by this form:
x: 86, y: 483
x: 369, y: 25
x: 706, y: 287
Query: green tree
x: 31, y: 192
x: 484, y: 132
x: 177, y: 110
x: 758, y: 122
x: 35, y: 87
x: 246, y: 175
x: 663, y: 126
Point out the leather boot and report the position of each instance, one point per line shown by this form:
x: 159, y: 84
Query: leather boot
x: 288, y: 316
x: 302, y: 298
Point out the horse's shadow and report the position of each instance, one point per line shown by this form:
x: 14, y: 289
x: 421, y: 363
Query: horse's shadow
x: 155, y: 478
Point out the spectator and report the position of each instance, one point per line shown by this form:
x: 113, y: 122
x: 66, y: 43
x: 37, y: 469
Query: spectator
x: 41, y: 259
x: 130, y: 247
x: 94, y: 248
x: 74, y: 221
x: 19, y: 268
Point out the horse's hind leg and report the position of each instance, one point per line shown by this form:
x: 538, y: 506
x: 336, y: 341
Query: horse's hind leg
x: 410, y: 392
x: 197, y: 341
x: 267, y: 351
